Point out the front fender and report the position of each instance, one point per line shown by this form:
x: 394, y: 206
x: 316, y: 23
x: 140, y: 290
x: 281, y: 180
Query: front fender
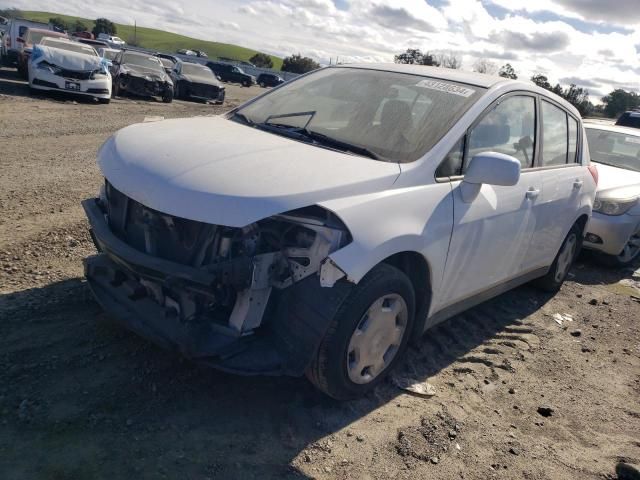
x: 417, y: 219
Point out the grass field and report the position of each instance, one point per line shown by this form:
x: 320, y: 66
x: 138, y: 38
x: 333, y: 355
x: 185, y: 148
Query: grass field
x: 164, y: 41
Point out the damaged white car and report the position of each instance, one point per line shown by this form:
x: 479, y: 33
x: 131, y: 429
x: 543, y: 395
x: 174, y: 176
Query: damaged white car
x: 58, y: 64
x: 323, y: 225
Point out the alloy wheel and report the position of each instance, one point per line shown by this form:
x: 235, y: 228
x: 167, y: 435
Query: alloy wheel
x: 631, y: 249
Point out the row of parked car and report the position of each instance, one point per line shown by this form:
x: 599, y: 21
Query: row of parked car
x: 321, y: 227
x: 105, y: 68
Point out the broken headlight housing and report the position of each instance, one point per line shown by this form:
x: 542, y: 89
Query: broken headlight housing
x: 614, y: 207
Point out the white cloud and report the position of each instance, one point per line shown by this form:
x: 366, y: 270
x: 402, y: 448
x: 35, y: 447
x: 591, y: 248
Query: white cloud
x: 375, y: 30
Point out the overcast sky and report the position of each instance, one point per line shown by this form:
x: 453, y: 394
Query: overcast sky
x: 593, y: 43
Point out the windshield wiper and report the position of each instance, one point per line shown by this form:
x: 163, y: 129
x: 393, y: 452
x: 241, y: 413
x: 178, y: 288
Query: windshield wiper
x: 306, y: 135
x: 241, y: 116
x: 347, y: 147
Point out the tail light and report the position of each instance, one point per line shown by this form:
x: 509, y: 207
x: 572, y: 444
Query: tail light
x: 593, y: 170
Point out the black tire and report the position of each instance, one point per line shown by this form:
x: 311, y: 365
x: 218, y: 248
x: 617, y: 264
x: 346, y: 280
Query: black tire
x: 263, y: 85
x: 554, y: 279
x: 167, y: 97
x: 104, y: 101
x: 246, y: 83
x: 115, y: 90
x: 328, y: 369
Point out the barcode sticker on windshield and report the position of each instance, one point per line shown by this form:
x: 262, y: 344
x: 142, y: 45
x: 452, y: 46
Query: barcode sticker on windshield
x: 446, y: 87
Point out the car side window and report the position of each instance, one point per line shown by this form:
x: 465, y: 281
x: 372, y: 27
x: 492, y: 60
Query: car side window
x: 573, y: 140
x: 509, y: 128
x: 555, y: 136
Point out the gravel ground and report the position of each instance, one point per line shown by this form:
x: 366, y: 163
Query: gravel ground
x: 517, y: 394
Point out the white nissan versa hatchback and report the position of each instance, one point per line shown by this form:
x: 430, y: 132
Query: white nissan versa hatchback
x: 319, y: 227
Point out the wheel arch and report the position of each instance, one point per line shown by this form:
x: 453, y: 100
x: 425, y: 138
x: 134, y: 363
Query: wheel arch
x: 415, y: 266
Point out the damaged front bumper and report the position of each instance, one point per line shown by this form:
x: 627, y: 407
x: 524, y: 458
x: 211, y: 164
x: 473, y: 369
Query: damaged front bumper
x: 292, y: 320
x: 141, y: 86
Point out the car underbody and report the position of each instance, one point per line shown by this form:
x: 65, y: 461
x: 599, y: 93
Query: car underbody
x: 252, y: 300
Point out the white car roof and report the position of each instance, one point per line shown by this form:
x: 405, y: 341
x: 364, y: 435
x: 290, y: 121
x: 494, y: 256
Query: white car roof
x: 612, y: 128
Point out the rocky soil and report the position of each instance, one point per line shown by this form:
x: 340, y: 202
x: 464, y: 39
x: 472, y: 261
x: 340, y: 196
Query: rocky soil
x: 527, y: 386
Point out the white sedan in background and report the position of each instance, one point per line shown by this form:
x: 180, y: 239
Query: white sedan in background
x: 64, y: 65
x: 320, y: 227
x: 614, y: 229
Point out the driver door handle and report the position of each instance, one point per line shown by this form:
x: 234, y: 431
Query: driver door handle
x: 532, y: 193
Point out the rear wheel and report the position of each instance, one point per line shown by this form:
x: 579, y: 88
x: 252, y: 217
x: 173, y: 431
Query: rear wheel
x: 563, y: 262
x: 367, y: 337
x: 263, y: 85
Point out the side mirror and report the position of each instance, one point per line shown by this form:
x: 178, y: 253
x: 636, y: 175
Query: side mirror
x: 491, y: 168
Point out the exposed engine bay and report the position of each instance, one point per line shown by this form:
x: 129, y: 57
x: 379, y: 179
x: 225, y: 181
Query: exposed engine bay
x: 234, y: 270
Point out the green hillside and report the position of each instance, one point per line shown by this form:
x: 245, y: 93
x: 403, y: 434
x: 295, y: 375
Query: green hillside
x: 164, y: 41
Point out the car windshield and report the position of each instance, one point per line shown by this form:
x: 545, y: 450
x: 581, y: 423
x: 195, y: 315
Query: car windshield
x: 389, y: 116
x: 36, y: 37
x: 109, y: 54
x: 69, y: 46
x: 142, y: 61
x: 166, y: 63
x: 196, y: 70
x: 616, y: 149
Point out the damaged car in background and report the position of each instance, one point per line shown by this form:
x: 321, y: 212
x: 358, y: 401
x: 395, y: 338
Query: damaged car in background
x: 319, y: 228
x: 62, y: 65
x: 140, y: 74
x: 195, y: 81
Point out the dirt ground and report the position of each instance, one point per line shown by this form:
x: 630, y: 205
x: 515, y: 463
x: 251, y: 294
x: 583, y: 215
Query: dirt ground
x: 518, y: 395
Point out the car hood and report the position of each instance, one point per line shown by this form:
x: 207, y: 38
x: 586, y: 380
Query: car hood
x: 217, y: 171
x: 139, y: 71
x: 618, y: 183
x: 202, y: 79
x: 66, y: 59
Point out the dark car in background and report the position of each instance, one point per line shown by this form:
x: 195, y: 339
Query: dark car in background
x: 196, y: 81
x: 629, y: 119
x: 142, y: 74
x: 231, y: 73
x: 269, y: 80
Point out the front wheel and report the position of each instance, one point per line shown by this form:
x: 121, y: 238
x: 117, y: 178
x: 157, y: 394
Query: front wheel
x: 367, y: 337
x: 167, y: 97
x: 629, y: 253
x: 563, y: 262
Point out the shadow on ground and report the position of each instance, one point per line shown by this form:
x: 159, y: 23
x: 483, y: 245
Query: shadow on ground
x: 78, y: 391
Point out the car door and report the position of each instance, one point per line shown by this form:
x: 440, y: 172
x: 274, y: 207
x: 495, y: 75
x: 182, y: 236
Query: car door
x: 493, y: 233
x: 563, y: 177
